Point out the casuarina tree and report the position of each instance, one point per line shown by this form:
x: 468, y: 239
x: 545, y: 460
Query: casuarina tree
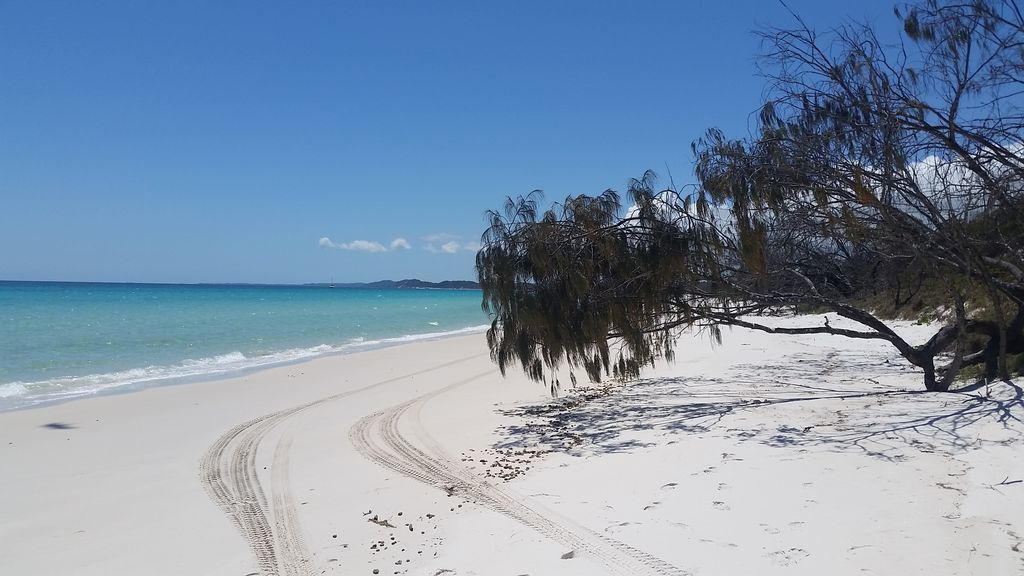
x: 871, y: 166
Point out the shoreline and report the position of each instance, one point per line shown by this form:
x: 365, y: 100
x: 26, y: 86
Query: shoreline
x: 132, y: 386
x: 107, y: 484
x: 764, y: 455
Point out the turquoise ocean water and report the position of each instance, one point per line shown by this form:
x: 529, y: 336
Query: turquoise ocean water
x: 66, y: 340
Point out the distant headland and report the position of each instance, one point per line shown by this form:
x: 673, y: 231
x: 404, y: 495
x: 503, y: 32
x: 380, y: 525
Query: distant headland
x: 410, y: 283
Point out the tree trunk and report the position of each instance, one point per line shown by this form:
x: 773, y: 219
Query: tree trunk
x: 992, y: 359
x: 931, y: 383
x: 1008, y: 340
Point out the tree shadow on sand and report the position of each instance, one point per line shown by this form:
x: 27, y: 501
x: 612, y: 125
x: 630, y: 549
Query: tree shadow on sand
x: 870, y: 418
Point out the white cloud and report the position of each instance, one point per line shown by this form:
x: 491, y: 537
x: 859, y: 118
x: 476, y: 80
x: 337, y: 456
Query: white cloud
x: 446, y: 243
x: 364, y: 246
x: 440, y: 237
x: 371, y: 246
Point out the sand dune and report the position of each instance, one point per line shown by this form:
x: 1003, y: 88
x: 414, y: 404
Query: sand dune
x: 768, y: 454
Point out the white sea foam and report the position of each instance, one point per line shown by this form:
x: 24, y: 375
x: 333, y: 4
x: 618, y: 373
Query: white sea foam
x: 23, y: 394
x: 12, y: 389
x: 427, y: 336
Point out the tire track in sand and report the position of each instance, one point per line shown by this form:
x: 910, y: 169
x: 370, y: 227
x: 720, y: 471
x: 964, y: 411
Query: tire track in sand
x: 270, y: 527
x: 379, y: 439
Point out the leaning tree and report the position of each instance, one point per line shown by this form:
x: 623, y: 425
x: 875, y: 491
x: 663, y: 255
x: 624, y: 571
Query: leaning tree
x: 870, y: 165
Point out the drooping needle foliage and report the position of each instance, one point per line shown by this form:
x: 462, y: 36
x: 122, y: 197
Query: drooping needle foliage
x: 870, y: 167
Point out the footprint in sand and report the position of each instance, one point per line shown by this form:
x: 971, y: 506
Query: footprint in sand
x: 614, y: 528
x: 1019, y: 541
x: 669, y: 486
x: 788, y: 557
x: 719, y: 505
x: 855, y: 548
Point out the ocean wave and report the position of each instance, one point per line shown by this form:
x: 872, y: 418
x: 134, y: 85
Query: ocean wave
x: 415, y: 337
x: 12, y: 389
x: 24, y: 394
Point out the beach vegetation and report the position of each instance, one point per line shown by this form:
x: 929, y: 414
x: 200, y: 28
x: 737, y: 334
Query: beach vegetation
x: 876, y: 173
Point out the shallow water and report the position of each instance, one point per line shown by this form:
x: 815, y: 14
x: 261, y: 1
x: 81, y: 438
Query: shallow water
x: 66, y: 340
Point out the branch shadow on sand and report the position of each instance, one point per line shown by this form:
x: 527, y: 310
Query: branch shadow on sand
x: 853, y: 412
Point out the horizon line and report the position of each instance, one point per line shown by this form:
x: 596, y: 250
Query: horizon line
x: 166, y: 283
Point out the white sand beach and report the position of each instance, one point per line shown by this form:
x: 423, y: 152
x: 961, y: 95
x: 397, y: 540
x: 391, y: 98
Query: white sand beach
x: 765, y: 455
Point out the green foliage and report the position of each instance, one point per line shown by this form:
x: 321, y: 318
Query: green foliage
x: 561, y: 284
x: 867, y: 178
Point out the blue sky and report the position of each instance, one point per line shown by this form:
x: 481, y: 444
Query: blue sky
x: 296, y: 142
